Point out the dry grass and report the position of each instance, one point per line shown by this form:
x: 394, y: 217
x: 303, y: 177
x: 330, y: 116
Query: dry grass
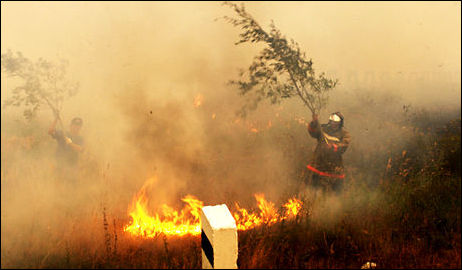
x: 408, y: 219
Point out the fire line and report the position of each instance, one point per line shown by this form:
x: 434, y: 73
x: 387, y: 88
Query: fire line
x: 187, y: 221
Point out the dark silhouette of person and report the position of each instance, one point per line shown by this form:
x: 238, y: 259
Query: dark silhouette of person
x: 70, y: 146
x: 326, y: 166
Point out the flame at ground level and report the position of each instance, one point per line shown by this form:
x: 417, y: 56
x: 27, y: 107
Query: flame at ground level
x: 187, y: 221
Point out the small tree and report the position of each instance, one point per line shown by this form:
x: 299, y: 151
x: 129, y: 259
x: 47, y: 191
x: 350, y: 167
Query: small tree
x: 280, y: 70
x: 43, y: 82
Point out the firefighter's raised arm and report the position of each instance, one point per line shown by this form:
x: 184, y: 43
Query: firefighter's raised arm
x: 314, y: 128
x: 52, y: 129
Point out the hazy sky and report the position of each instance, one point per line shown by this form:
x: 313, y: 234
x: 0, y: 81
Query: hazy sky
x: 413, y: 48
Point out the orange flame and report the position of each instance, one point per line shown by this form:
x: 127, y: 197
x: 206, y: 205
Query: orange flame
x: 293, y: 206
x: 170, y: 222
x: 187, y: 221
x: 267, y: 215
x: 198, y: 100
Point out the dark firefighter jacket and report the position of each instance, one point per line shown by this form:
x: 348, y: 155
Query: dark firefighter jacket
x: 327, y: 158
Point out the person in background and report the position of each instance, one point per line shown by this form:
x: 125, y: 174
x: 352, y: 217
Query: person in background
x: 70, y: 147
x: 326, y: 166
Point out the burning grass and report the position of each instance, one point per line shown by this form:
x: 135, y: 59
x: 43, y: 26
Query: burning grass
x: 170, y: 222
x: 400, y: 209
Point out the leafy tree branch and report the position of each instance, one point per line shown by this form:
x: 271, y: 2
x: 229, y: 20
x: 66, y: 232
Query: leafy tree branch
x: 42, y: 82
x: 279, y: 71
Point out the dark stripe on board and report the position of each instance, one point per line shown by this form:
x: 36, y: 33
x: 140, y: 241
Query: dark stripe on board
x: 207, y: 247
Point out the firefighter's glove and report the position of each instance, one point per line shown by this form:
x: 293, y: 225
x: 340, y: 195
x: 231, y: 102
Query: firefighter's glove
x: 315, y: 117
x: 68, y: 140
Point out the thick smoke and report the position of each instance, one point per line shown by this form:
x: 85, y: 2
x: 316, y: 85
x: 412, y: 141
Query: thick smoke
x: 144, y: 67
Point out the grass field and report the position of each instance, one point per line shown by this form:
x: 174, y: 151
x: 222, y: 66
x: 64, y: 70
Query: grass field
x: 401, y: 208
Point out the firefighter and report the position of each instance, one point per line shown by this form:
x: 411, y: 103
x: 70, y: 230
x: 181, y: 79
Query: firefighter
x: 70, y: 146
x: 326, y: 166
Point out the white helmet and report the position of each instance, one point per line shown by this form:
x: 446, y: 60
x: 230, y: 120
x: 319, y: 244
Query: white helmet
x: 334, y: 117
